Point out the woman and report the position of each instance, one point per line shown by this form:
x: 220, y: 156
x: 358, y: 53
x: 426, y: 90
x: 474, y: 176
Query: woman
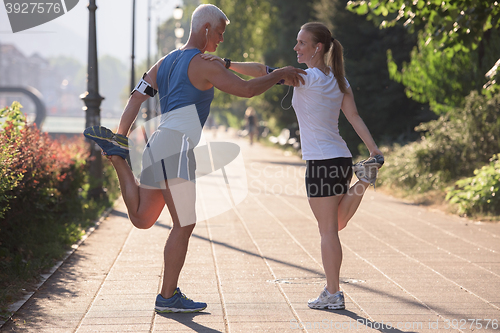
x: 317, y: 104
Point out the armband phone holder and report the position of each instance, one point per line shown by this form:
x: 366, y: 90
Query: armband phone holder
x: 144, y: 88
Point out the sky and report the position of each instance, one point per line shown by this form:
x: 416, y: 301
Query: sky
x: 68, y: 34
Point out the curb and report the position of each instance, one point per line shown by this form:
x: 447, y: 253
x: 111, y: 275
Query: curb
x: 14, y: 307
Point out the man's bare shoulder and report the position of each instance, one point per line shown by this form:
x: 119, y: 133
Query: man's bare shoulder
x: 160, y: 61
x: 202, y: 72
x: 203, y: 65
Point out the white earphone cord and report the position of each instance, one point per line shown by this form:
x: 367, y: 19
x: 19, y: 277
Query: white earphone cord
x: 157, y: 101
x: 291, y: 86
x: 206, y: 37
x: 288, y: 108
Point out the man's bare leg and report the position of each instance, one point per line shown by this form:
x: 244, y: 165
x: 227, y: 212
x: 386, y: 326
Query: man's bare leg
x: 180, y: 197
x: 144, y: 205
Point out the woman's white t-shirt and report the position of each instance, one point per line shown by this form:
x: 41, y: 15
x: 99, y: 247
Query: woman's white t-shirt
x: 317, y: 105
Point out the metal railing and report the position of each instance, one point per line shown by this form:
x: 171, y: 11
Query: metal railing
x: 35, y: 96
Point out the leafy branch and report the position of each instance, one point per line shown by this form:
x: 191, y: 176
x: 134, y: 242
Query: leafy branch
x: 459, y: 25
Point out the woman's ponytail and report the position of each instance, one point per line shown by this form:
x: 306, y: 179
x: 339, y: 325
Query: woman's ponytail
x: 336, y: 62
x: 334, y: 51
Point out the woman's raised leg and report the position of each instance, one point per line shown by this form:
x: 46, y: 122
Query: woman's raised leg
x: 350, y: 202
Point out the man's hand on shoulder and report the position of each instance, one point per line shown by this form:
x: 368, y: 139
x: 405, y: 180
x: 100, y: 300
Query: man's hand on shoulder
x: 213, y: 57
x: 292, y: 75
x: 203, y: 73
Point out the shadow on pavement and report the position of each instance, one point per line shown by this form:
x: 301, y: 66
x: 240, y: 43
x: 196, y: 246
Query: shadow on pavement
x: 357, y: 322
x: 118, y: 213
x: 397, y: 299
x: 298, y: 164
x: 59, y: 288
x: 187, y: 320
x: 251, y: 253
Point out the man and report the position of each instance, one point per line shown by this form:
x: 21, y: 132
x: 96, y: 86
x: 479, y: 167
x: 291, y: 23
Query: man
x: 185, y: 83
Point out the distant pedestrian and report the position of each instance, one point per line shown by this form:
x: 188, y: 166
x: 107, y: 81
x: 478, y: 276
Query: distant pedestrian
x: 329, y: 168
x: 251, y: 123
x: 212, y: 125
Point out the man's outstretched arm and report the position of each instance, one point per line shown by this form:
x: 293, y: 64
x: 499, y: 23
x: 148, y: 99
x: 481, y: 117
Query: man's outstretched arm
x: 217, y: 75
x: 253, y: 69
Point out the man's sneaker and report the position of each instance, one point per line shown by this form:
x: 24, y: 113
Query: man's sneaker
x: 110, y: 143
x: 178, y: 303
x: 326, y: 300
x: 367, y: 170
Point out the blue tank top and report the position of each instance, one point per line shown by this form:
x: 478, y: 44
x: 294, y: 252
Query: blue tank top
x: 175, y: 88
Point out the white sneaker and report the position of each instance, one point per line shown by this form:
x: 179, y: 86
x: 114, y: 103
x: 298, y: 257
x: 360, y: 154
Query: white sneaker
x: 367, y: 170
x: 326, y: 300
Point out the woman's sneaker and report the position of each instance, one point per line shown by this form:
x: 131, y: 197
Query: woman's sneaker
x: 367, y: 170
x: 178, y: 303
x: 326, y: 300
x: 110, y: 143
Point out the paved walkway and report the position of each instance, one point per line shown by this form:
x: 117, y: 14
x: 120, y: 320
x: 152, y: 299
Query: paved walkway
x: 405, y: 268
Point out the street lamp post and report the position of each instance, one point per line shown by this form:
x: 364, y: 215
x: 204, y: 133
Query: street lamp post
x: 92, y: 101
x: 149, y: 112
x: 132, y: 71
x: 178, y: 31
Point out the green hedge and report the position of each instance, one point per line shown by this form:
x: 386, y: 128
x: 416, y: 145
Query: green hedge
x: 450, y: 148
x: 479, y: 194
x: 44, y: 207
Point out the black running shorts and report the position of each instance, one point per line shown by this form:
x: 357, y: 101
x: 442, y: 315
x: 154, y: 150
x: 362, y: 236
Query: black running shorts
x: 326, y: 178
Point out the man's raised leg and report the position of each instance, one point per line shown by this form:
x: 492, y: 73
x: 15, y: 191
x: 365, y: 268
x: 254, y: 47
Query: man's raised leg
x: 144, y: 205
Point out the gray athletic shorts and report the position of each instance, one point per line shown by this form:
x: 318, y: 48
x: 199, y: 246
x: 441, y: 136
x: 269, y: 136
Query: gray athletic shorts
x: 167, y: 155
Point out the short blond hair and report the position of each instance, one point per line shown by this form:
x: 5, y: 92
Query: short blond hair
x: 207, y: 14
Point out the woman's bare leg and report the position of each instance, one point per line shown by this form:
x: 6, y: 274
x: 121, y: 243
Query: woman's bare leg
x: 350, y: 202
x: 326, y: 212
x: 144, y: 206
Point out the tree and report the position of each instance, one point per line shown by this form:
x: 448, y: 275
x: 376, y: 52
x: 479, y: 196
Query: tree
x: 266, y: 32
x: 432, y: 76
x: 166, y: 36
x: 381, y: 102
x: 458, y: 43
x: 286, y: 19
x: 262, y: 31
x: 458, y: 25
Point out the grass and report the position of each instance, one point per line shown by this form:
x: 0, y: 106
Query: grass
x: 431, y: 198
x: 43, y: 244
x: 45, y: 204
